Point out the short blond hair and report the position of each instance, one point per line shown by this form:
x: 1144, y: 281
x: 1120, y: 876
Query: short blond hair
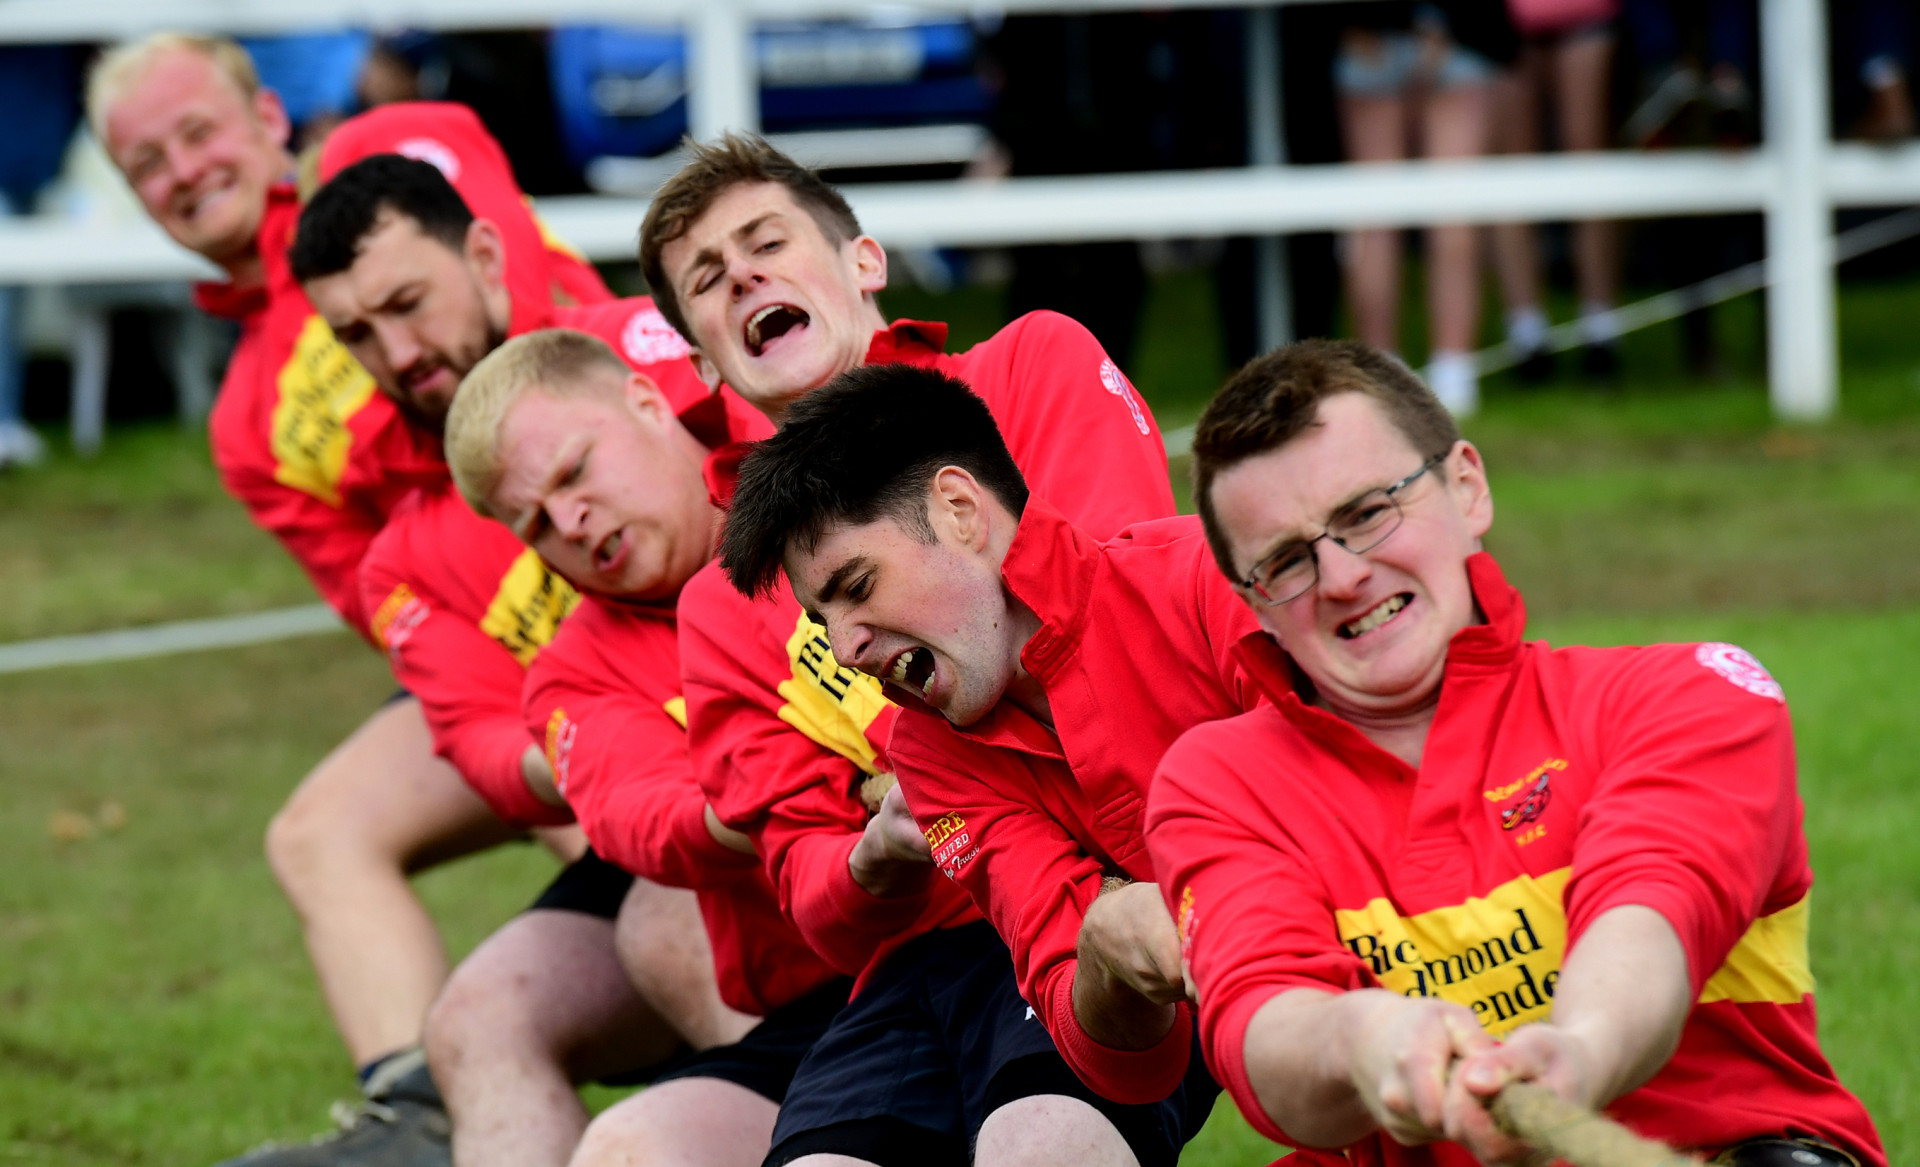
x: 125, y: 64
x: 559, y: 362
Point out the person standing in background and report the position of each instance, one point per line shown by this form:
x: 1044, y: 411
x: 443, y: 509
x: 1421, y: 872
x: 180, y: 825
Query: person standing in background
x: 1567, y: 50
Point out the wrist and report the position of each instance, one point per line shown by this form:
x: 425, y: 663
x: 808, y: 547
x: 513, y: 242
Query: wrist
x: 1113, y: 1013
x: 880, y: 875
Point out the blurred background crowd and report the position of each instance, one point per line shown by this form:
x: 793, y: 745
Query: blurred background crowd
x: 602, y: 109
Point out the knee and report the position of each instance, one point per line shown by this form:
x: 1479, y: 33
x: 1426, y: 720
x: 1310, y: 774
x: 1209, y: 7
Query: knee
x: 299, y: 840
x: 1051, y: 1129
x: 620, y: 1136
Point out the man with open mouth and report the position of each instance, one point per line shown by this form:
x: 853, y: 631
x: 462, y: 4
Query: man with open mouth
x: 764, y: 269
x: 319, y: 458
x: 1439, y: 858
x: 1041, y: 674
x: 555, y: 437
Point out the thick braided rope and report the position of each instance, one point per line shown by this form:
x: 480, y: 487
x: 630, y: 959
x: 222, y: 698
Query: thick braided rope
x: 1558, y: 1129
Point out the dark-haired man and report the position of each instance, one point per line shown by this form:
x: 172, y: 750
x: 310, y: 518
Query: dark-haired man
x: 1035, y: 703
x: 764, y: 268
x: 319, y: 459
x: 552, y: 434
x: 417, y: 287
x: 1444, y: 859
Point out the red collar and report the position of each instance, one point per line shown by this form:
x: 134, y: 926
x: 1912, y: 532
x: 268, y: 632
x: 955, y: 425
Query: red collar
x: 1050, y: 567
x: 222, y: 297
x: 907, y: 342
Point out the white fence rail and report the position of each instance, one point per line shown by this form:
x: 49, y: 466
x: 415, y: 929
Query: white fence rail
x: 1795, y: 180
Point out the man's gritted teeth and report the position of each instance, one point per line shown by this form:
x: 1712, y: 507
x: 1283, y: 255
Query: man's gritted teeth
x: 912, y: 670
x: 771, y: 322
x: 189, y: 207
x: 1375, y: 616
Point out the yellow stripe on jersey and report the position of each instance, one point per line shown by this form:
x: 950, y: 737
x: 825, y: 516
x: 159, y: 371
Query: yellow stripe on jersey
x: 829, y: 703
x: 1500, y: 954
x: 528, y: 608
x: 1770, y: 963
x: 321, y: 386
x: 676, y: 708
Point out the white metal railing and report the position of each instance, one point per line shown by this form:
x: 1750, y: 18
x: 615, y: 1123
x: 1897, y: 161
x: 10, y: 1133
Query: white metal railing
x: 1795, y: 180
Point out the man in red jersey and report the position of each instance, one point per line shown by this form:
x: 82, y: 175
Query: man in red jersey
x: 764, y: 269
x: 552, y: 435
x: 319, y: 459
x: 1029, y: 730
x: 417, y: 287
x: 1440, y: 844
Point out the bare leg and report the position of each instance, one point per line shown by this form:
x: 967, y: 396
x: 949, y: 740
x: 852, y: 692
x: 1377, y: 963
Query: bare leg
x: 543, y: 1004
x: 688, y: 1122
x: 1048, y: 1129
x: 375, y: 810
x: 662, y: 942
x: 1376, y: 131
x: 1515, y: 129
x: 1455, y: 127
x: 1582, y: 67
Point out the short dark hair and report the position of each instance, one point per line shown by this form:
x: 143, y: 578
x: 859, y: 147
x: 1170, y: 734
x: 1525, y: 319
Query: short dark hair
x: 713, y: 169
x: 1275, y: 398
x: 344, y: 210
x: 864, y: 445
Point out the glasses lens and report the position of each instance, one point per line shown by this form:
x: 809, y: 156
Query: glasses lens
x: 1366, y: 523
x: 1285, y: 575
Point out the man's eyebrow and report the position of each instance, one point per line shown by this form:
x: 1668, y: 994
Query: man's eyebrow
x: 707, y: 256
x: 1289, y: 540
x: 838, y: 579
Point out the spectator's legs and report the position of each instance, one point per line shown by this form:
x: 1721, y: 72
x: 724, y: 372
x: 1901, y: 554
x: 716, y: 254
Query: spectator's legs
x: 1883, y: 35
x: 1455, y: 126
x: 1583, y: 63
x: 1375, y: 127
x: 380, y: 807
x: 19, y: 445
x: 1515, y: 129
x: 545, y: 1004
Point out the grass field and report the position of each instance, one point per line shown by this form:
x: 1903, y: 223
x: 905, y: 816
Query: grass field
x: 155, y: 1004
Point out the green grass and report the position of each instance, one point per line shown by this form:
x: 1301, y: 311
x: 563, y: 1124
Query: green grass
x: 155, y: 1002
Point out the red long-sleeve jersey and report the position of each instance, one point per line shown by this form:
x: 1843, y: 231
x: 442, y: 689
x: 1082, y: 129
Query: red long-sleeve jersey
x: 1555, y: 785
x: 758, y: 671
x: 300, y: 434
x: 605, y: 698
x: 1135, y: 647
x: 461, y: 607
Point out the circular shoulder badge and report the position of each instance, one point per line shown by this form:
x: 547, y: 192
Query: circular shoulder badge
x: 649, y: 339
x: 1737, y: 665
x: 431, y: 150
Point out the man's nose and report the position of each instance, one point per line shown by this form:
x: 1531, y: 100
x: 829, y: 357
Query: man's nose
x: 184, y: 163
x: 1341, y: 571
x: 397, y: 344
x: 569, y: 514
x: 852, y: 644
x: 742, y: 275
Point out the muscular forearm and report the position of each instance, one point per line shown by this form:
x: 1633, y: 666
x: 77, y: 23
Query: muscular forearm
x: 1625, y: 993
x: 1300, y: 1061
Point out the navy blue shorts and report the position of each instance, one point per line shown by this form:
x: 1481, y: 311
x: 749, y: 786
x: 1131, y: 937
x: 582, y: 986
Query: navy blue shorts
x: 589, y: 885
x: 938, y: 1040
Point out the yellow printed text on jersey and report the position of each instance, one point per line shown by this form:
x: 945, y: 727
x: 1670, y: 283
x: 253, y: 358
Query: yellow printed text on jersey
x: 828, y: 702
x: 528, y: 608
x: 321, y: 387
x: 1500, y: 954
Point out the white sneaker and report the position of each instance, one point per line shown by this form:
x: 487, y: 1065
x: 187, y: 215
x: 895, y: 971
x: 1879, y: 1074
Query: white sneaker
x: 19, y: 445
x: 1454, y: 378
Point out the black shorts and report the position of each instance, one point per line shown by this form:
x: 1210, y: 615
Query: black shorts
x: 938, y: 1040
x: 765, y: 1059
x: 589, y: 885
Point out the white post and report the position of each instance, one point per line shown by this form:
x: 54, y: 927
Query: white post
x: 723, y: 89
x: 1803, y: 366
x: 1267, y: 146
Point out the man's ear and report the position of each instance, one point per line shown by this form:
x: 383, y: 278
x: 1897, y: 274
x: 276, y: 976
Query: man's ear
x: 644, y: 395
x: 487, y: 253
x: 958, y: 504
x: 1467, y: 481
x: 705, y: 369
x: 271, y: 113
x: 869, y: 265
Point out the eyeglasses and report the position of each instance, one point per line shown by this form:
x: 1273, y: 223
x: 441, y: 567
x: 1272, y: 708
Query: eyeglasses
x: 1292, y: 569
